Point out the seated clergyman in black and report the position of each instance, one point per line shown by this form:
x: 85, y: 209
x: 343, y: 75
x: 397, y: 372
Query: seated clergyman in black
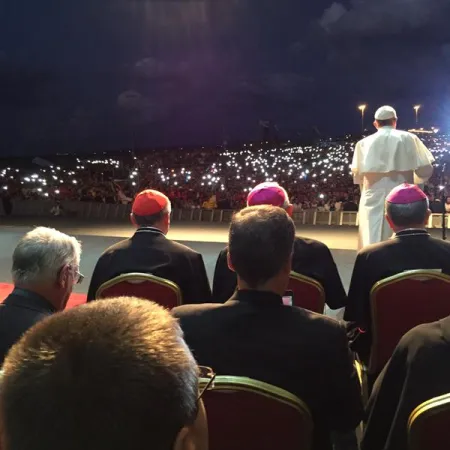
x: 310, y: 257
x: 150, y: 251
x: 254, y: 335
x: 419, y: 370
x: 410, y: 248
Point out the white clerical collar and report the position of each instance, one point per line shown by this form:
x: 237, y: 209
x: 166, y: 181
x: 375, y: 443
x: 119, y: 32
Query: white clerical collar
x: 149, y: 230
x: 412, y: 232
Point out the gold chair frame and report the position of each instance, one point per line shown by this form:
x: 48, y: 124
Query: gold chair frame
x: 311, y: 282
x: 136, y: 276
x: 423, y: 412
x: 424, y: 274
x: 233, y: 383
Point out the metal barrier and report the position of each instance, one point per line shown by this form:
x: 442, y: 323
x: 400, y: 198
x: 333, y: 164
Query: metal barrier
x: 106, y: 211
x: 435, y: 221
x: 299, y: 217
x: 322, y: 218
x: 349, y: 218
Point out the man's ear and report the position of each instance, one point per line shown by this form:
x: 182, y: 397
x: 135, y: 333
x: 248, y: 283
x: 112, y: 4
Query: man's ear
x: 290, y: 210
x: 389, y: 221
x: 194, y: 436
x: 182, y: 441
x: 63, y: 277
x: 230, y: 264
x: 166, y: 219
x: 288, y: 266
x: 2, y: 435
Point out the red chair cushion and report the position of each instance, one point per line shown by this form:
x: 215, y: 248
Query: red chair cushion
x: 400, y: 306
x: 306, y: 295
x: 432, y: 432
x: 243, y: 421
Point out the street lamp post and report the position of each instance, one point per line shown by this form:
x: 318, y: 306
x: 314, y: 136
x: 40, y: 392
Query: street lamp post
x: 416, y: 109
x: 362, y: 108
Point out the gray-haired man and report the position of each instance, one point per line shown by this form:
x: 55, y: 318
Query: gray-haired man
x: 45, y: 268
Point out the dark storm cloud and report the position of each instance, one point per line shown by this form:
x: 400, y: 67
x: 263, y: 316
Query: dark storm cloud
x: 191, y: 71
x: 445, y: 51
x: 286, y: 85
x: 382, y: 17
x: 282, y: 86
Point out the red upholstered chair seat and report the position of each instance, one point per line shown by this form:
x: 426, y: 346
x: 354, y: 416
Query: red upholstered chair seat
x: 428, y: 425
x: 142, y: 285
x: 308, y: 293
x: 245, y: 414
x: 401, y: 302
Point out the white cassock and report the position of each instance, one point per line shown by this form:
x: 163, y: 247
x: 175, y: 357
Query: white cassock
x: 381, y: 162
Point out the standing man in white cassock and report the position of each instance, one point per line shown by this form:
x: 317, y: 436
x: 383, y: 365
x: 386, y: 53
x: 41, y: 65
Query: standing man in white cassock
x: 381, y: 162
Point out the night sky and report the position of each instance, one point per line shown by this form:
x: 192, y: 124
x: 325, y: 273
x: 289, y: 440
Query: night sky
x: 102, y: 74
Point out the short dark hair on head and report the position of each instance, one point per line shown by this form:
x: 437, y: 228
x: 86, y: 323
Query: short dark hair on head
x: 386, y: 123
x: 149, y: 221
x: 261, y: 241
x: 111, y: 375
x: 408, y: 214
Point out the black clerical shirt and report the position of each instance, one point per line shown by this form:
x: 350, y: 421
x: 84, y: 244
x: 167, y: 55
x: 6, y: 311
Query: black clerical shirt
x: 19, y: 312
x: 254, y: 335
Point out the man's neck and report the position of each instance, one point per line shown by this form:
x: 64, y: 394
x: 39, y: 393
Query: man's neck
x: 155, y: 227
x: 411, y: 228
x: 267, y: 287
x: 42, y: 292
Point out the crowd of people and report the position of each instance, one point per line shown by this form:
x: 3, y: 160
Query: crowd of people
x: 317, y: 176
x: 120, y: 360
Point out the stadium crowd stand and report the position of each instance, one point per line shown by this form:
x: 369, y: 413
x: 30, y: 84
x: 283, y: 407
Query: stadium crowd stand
x: 316, y: 177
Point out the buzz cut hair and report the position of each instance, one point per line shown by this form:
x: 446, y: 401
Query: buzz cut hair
x: 110, y: 375
x: 260, y: 243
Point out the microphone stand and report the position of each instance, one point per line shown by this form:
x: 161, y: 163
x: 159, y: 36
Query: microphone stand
x: 443, y: 201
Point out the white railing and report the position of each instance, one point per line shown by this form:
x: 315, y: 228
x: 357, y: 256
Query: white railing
x: 435, y: 221
x: 106, y: 211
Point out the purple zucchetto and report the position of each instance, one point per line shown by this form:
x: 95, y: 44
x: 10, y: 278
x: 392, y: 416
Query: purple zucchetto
x: 406, y: 193
x: 267, y: 194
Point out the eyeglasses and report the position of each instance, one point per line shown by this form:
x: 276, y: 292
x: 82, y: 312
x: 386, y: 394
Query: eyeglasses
x: 206, y: 380
x: 79, y: 277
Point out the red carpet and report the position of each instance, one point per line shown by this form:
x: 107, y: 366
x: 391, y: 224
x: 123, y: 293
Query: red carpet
x: 74, y: 300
